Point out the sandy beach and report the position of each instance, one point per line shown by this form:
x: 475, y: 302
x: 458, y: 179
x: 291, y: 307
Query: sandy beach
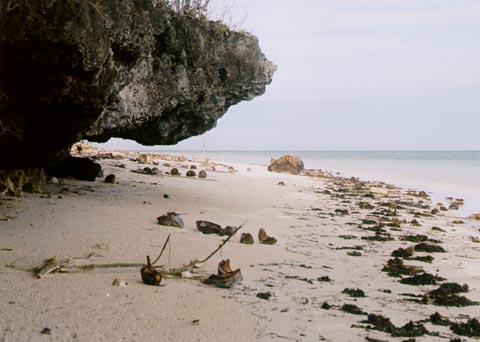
x: 333, y: 234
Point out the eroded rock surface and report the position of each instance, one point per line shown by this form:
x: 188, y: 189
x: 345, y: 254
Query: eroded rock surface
x: 288, y: 163
x: 75, y: 69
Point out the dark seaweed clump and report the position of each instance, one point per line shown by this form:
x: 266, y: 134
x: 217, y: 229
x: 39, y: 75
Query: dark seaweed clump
x: 378, y: 237
x: 414, y: 238
x: 326, y: 306
x: 429, y: 248
x: 396, y: 267
x: 356, y: 293
x: 422, y: 279
x: 471, y: 328
x: 438, y: 319
x: 325, y: 279
x: 446, y: 295
x: 426, y: 258
x: 402, y: 252
x: 353, y: 309
x: 382, y: 323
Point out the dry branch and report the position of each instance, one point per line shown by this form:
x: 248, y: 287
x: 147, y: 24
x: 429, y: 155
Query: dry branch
x: 56, y: 264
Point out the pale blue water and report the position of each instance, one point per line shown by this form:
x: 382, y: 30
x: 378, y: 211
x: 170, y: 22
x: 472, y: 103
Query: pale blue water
x: 448, y: 173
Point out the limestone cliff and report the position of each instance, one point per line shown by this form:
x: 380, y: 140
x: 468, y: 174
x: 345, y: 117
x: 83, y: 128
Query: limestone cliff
x: 96, y: 69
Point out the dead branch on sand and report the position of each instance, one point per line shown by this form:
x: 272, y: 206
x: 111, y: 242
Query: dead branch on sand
x: 56, y: 264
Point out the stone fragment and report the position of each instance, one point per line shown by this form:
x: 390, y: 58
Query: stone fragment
x: 174, y: 172
x: 202, y: 174
x: 246, y: 238
x: 191, y: 173
x: 264, y: 238
x: 110, y: 179
x: 207, y: 227
x: 171, y: 219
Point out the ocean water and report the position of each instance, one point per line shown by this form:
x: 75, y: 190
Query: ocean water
x: 441, y: 173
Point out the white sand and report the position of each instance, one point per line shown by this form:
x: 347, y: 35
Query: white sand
x: 121, y: 219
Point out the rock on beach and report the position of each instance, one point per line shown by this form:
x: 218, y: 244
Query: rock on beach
x: 288, y: 163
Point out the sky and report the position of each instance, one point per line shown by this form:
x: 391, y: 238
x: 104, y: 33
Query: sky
x: 355, y: 75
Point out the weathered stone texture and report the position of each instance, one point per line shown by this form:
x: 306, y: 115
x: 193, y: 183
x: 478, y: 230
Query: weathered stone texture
x: 133, y: 69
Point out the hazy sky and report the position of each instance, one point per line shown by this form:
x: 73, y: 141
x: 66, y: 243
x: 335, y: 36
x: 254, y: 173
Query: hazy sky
x: 357, y: 75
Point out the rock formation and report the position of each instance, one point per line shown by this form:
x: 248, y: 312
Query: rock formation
x: 288, y: 163
x: 76, y: 69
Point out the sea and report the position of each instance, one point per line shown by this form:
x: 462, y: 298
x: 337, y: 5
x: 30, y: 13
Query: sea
x: 441, y: 173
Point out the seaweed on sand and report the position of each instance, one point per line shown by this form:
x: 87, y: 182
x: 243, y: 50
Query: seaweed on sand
x: 425, y: 258
x: 438, y: 319
x: 422, y: 279
x: 414, y: 238
x: 353, y: 309
x: 378, y: 237
x: 429, y: 248
x: 403, y: 252
x: 395, y: 267
x: 446, y: 295
x: 471, y: 328
x: 356, y: 293
x: 382, y: 323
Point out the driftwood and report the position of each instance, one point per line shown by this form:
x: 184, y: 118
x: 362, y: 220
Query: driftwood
x: 68, y: 265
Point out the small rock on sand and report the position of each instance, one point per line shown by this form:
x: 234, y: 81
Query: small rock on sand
x: 111, y: 179
x: 246, y: 238
x: 191, y: 173
x: 171, y: 219
x: 202, y: 174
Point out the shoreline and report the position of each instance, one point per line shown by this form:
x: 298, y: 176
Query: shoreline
x: 316, y: 220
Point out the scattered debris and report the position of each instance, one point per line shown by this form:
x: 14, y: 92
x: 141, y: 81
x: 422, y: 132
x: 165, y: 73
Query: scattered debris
x: 171, y: 219
x: 382, y: 323
x: 353, y: 309
x: 226, y: 277
x: 356, y: 293
x: 202, y: 174
x: 207, y: 227
x: 326, y: 306
x: 422, y: 258
x: 174, y: 172
x: 347, y: 237
x: 395, y: 267
x: 438, y: 319
x: 110, y: 179
x: 354, y: 254
x: 46, y: 331
x: 414, y: 238
x: 264, y: 295
x: 446, y: 295
x: 422, y: 279
x: 471, y: 328
x: 190, y: 173
x: 119, y: 282
x: 228, y: 231
x: 429, y: 248
x: 264, y: 238
x: 150, y: 275
x: 378, y: 237
x: 246, y: 238
x: 403, y: 252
